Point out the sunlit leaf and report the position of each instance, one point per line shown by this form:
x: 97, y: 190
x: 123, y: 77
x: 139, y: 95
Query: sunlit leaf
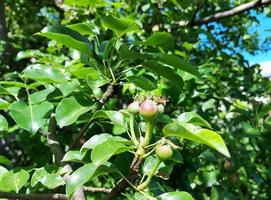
x: 202, y: 136
x: 175, y: 196
x: 30, y: 117
x: 68, y: 111
x: 120, y: 25
x: 13, y: 181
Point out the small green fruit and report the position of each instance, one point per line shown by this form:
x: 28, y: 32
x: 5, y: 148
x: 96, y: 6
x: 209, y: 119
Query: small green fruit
x: 161, y: 108
x: 163, y: 151
x: 133, y: 107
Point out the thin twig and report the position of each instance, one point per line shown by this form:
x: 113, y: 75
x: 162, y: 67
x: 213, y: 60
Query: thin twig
x: 20, y: 196
x: 94, y: 189
x: 81, y: 134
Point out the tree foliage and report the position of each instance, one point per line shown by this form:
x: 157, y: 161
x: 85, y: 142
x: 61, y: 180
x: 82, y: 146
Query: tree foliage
x: 73, y: 68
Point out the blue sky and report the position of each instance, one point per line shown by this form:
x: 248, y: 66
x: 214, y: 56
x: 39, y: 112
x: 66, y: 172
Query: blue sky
x: 262, y: 58
x: 262, y: 27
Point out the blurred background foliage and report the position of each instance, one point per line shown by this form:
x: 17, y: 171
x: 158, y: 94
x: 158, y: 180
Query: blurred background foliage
x: 233, y: 96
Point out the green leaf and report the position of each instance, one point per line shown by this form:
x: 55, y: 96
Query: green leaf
x: 202, y: 136
x: 164, y: 71
x: 44, y: 73
x: 126, y: 53
x: 67, y: 37
x: 104, y: 151
x: 50, y: 181
x: 99, y: 139
x: 120, y: 26
x: 30, y: 117
x: 68, y: 111
x: 178, y: 63
x: 86, y: 3
x: 148, y: 165
x: 84, y: 174
x: 94, y: 83
x: 160, y: 39
x: 2, y: 171
x: 208, y: 104
x: 3, y: 123
x: 249, y: 130
x: 142, y: 82
x: 28, y: 54
x: 4, y: 160
x: 108, y: 47
x: 11, y: 181
x: 175, y: 196
x: 193, y: 118
x: 85, y: 28
x: 84, y: 72
x: 68, y: 88
x: 4, y: 104
x: 41, y: 96
x: 74, y: 156
x: 116, y: 117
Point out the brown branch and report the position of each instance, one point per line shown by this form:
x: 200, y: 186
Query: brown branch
x: 58, y: 154
x: 228, y: 13
x: 108, y: 93
x: 33, y: 196
x: 94, y: 189
x: 133, y: 177
x: 53, y: 142
x: 3, y: 29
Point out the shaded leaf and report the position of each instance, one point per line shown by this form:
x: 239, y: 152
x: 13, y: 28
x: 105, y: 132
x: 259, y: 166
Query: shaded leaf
x: 178, y: 63
x: 68, y: 37
x: 142, y: 82
x: 164, y: 71
x: 160, y: 39
x: 4, y: 160
x: 126, y: 53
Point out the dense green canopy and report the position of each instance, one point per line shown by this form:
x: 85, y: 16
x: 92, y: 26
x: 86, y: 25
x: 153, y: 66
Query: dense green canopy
x: 69, y: 69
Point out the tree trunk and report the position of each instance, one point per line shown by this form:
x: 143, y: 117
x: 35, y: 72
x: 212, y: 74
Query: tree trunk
x: 3, y: 30
x: 3, y: 33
